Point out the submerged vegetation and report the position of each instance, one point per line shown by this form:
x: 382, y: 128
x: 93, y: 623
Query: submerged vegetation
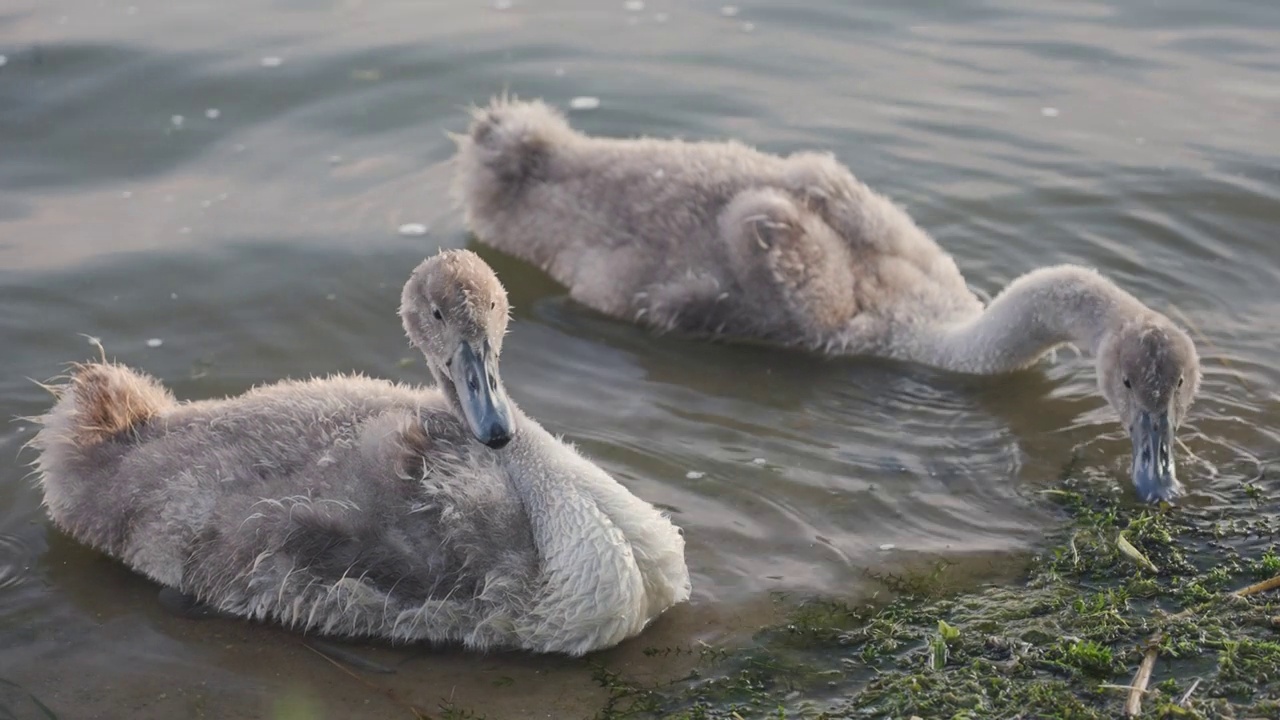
x: 1160, y: 612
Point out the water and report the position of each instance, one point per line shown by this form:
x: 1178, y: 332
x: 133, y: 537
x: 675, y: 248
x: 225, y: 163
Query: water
x: 232, y: 179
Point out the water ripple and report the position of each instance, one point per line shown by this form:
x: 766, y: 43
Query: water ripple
x: 260, y: 242
x: 15, y: 561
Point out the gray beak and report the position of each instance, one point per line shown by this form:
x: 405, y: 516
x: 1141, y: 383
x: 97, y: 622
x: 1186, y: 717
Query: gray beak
x: 1154, y: 476
x: 475, y: 377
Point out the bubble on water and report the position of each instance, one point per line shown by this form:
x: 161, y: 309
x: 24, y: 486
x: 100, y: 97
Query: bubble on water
x: 413, y: 229
x: 331, y: 297
x: 184, y: 230
x: 584, y: 102
x: 1049, y: 111
x: 759, y: 461
x: 126, y: 194
x: 335, y: 159
x: 213, y: 113
x: 695, y: 474
x: 3, y: 61
x: 729, y: 10
x: 559, y: 72
x: 154, y: 343
x: 177, y: 120
x: 887, y: 546
x: 206, y: 203
x: 272, y: 61
x: 748, y: 27
x: 173, y: 296
x: 237, y: 148
x: 502, y: 4
x: 633, y: 5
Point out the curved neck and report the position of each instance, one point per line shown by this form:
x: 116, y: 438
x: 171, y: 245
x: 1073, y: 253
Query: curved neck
x: 591, y: 592
x: 553, y: 481
x: 1035, y: 313
x: 530, y: 458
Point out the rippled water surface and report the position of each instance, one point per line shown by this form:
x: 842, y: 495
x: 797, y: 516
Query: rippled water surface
x: 228, y: 178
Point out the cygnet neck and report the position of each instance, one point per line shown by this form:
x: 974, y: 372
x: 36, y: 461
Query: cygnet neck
x: 1035, y: 313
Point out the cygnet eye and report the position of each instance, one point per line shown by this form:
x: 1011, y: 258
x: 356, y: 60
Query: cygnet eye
x: 435, y: 313
x: 1128, y: 384
x: 1180, y: 381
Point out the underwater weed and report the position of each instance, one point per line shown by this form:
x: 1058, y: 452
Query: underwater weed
x: 1121, y: 596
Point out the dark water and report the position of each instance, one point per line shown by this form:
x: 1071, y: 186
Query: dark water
x: 229, y: 178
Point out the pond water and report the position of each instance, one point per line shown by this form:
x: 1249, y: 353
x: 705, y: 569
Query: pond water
x: 215, y: 189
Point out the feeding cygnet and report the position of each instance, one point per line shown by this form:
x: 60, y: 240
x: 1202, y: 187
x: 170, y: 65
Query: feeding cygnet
x: 718, y: 239
x: 357, y: 507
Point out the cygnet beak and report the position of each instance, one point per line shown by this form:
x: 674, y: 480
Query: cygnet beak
x: 484, y: 403
x: 1154, y: 475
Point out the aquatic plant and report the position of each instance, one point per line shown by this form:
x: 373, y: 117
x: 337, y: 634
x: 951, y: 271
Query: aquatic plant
x: 1127, y: 610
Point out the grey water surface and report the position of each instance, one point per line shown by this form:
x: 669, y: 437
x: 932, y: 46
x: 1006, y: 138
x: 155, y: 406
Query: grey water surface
x: 216, y: 190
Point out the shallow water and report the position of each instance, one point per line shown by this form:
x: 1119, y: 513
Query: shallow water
x: 229, y: 178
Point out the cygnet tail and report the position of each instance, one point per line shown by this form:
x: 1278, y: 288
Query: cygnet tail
x: 507, y: 146
x: 101, y: 401
x: 92, y: 427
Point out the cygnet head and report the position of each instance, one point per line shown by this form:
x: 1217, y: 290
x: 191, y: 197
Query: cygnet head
x: 455, y: 310
x: 1149, y: 371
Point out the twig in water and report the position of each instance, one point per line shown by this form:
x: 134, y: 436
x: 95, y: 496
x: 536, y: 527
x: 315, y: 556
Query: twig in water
x: 1261, y: 587
x: 1134, y: 553
x: 1186, y: 696
x: 1133, y: 706
x: 388, y: 692
x: 1191, y: 454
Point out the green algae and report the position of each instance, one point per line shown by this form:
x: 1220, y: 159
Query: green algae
x: 1063, y: 643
